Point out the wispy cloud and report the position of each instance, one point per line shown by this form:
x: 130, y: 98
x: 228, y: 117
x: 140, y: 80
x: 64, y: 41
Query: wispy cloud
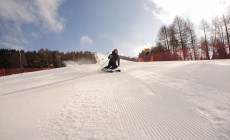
x: 166, y: 10
x: 48, y: 12
x: 21, y: 18
x: 86, y: 40
x: 33, y: 12
x: 9, y: 45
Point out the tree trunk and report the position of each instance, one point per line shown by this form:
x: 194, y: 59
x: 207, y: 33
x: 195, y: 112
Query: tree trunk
x: 226, y: 30
x: 180, y: 33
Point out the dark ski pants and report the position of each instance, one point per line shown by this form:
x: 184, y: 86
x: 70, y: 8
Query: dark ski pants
x: 111, y: 66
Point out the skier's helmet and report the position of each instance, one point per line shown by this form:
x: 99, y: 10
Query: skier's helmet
x: 115, y: 50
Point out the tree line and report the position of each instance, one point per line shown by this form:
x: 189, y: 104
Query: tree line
x: 127, y: 58
x: 44, y: 58
x: 178, y: 41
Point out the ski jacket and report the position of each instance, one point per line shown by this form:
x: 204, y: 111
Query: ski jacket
x: 114, y: 57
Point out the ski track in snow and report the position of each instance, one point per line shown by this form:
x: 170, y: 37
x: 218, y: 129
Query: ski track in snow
x: 211, y: 103
x: 114, y: 114
x: 136, y: 104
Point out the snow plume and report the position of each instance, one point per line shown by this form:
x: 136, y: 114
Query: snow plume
x: 78, y: 62
x: 100, y: 59
x: 166, y: 10
x: 19, y: 17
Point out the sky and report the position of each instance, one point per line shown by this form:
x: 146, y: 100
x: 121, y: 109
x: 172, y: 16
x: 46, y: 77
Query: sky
x: 96, y: 25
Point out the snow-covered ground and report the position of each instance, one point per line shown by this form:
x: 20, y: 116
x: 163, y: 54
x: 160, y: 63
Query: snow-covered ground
x: 152, y: 100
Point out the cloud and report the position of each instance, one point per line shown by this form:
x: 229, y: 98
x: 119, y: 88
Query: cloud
x: 49, y: 16
x: 21, y: 18
x: 15, y: 11
x: 32, y: 12
x: 196, y: 10
x: 86, y: 40
x: 13, y: 42
x: 9, y: 45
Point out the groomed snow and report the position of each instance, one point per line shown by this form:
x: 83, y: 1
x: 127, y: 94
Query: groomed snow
x: 151, y: 100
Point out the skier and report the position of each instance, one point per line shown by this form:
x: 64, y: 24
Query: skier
x: 114, y: 59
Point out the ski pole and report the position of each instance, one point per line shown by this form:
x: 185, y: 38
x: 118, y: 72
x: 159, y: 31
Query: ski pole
x: 103, y: 64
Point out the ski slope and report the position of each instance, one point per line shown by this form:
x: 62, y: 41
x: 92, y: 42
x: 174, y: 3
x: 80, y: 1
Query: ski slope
x: 151, y: 100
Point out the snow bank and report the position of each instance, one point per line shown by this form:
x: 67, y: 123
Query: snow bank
x: 152, y: 100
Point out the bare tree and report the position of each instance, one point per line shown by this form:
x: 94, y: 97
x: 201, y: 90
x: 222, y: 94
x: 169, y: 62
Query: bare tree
x: 163, y: 37
x: 204, y: 27
x: 219, y: 37
x: 214, y: 37
x: 182, y: 34
x: 226, y: 22
x: 190, y: 27
x: 173, y: 41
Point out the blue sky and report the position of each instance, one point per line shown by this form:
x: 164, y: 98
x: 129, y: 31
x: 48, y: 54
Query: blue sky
x: 95, y: 25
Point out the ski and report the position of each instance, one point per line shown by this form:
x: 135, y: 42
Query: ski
x: 117, y: 70
x: 110, y: 70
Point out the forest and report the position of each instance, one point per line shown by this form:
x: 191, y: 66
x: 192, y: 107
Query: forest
x: 43, y: 58
x: 182, y: 40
